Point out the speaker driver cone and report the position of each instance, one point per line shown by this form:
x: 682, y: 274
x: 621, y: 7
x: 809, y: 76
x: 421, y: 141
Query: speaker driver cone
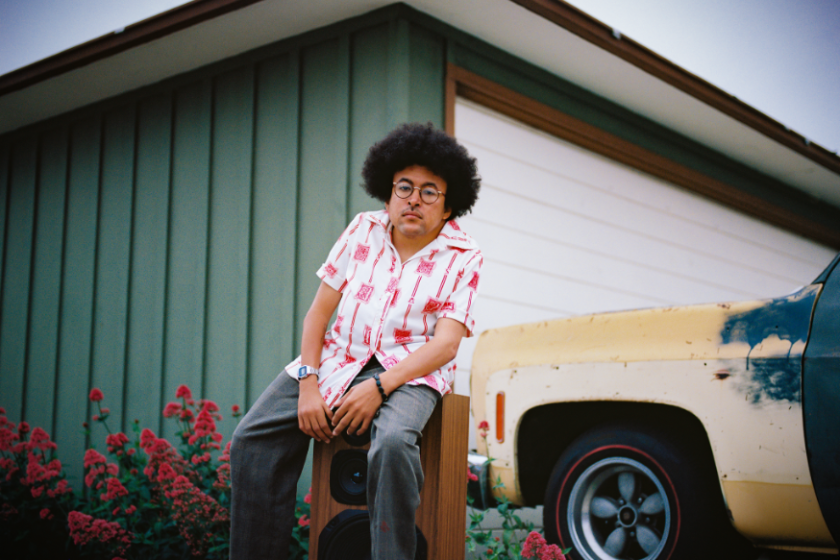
x: 348, y: 477
x: 347, y: 537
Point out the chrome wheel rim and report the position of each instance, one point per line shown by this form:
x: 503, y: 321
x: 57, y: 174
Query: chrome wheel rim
x: 618, y: 510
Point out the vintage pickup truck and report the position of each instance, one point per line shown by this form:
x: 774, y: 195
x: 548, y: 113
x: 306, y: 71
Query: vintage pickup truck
x: 652, y: 434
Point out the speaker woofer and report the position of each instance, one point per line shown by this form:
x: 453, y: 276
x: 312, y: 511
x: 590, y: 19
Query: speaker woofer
x: 348, y: 477
x: 347, y: 537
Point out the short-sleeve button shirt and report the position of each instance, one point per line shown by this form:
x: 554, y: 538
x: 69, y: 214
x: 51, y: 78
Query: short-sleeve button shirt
x: 389, y: 308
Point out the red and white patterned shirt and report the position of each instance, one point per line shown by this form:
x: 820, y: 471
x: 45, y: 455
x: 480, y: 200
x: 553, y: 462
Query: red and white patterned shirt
x: 390, y: 308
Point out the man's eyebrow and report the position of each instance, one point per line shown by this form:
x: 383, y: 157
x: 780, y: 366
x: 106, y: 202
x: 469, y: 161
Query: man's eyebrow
x: 409, y: 181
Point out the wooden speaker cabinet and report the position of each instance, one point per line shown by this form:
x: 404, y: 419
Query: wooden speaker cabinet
x: 443, y: 454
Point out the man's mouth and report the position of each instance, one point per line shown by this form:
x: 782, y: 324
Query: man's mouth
x: 411, y: 214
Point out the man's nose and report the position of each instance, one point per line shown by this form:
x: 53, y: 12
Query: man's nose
x: 415, y: 198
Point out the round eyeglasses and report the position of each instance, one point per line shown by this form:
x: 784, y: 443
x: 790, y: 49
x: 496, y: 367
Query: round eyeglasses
x: 428, y: 194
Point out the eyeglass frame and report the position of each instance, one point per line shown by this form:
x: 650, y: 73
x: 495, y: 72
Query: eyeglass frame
x: 439, y: 193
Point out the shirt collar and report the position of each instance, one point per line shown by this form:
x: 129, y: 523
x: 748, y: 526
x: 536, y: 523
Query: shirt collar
x: 450, y: 236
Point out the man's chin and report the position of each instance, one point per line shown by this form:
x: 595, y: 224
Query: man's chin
x: 412, y: 231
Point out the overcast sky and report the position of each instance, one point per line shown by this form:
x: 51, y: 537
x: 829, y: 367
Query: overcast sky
x: 780, y: 56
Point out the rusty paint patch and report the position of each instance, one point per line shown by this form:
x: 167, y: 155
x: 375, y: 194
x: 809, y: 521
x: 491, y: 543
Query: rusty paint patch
x: 722, y: 374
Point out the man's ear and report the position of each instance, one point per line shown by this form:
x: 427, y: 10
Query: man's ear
x: 447, y: 213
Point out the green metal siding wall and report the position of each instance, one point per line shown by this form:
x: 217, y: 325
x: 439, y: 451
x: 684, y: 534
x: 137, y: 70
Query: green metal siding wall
x: 171, y: 236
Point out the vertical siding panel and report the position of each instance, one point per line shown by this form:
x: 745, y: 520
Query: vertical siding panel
x: 427, y: 57
x: 46, y: 280
x: 230, y: 215
x: 148, y: 262
x: 323, y: 171
x: 113, y: 263
x: 184, y: 346
x: 76, y: 318
x: 369, y: 116
x: 274, y: 223
x: 17, y: 268
x: 5, y: 154
x: 399, y: 72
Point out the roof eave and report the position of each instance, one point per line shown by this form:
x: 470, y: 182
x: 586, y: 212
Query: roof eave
x: 556, y: 12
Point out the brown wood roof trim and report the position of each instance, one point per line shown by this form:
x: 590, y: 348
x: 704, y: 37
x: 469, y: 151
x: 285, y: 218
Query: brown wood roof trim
x: 524, y: 109
x: 136, y: 34
x: 603, y: 36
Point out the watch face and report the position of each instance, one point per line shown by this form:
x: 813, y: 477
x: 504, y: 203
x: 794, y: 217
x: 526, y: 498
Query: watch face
x: 301, y: 372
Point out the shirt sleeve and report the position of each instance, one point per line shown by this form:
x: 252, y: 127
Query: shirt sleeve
x: 461, y: 302
x: 334, y: 270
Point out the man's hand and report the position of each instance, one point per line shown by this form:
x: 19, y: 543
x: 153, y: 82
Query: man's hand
x: 314, y: 416
x: 357, y: 407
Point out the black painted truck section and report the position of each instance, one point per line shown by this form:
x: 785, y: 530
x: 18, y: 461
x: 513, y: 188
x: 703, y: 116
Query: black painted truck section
x: 821, y: 398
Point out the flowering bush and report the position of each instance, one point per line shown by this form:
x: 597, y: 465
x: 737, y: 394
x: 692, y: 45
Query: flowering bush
x: 149, y: 500
x: 509, y: 545
x: 299, y: 549
x: 34, y: 494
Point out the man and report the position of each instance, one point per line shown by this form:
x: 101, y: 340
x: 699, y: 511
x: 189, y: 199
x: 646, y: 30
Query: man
x: 403, y: 281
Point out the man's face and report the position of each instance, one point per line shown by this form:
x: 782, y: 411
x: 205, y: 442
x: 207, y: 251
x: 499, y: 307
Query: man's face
x: 413, y: 217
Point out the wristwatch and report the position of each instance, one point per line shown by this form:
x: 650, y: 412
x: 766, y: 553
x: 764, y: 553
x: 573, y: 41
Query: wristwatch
x: 305, y: 371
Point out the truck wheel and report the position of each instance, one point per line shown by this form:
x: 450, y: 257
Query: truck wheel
x: 620, y: 493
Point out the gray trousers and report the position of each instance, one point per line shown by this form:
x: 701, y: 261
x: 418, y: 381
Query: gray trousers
x: 267, y: 454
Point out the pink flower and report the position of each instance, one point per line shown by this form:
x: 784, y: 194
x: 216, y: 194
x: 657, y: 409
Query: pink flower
x: 105, y: 411
x: 131, y: 509
x: 183, y: 392
x: 23, y: 427
x: 46, y: 513
x: 115, y: 490
x: 166, y: 472
x: 6, y: 439
x: 40, y: 440
x: 147, y: 438
x: 92, y: 457
x: 96, y: 395
x: 235, y: 410
x: 303, y: 521
x: 172, y: 409
x: 551, y: 552
x: 471, y: 476
x: 532, y: 545
x: 60, y: 488
x: 209, y: 406
x: 308, y: 498
x: 483, y: 428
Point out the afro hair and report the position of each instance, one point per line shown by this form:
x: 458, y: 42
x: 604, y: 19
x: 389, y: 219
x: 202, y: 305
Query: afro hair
x: 422, y: 144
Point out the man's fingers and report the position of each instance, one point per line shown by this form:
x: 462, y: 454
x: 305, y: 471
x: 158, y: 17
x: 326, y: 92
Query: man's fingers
x: 363, y: 428
x: 342, y: 424
x: 322, y: 435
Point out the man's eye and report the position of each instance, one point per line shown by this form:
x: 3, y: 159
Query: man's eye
x: 431, y: 193
x: 404, y: 189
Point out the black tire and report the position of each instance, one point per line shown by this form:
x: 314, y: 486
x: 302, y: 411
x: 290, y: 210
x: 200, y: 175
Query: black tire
x: 631, y: 493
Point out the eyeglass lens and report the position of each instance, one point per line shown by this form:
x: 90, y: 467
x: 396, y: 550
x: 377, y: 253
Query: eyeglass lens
x: 427, y: 194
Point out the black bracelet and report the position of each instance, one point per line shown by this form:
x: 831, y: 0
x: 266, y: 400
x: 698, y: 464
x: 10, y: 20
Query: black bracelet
x: 379, y: 386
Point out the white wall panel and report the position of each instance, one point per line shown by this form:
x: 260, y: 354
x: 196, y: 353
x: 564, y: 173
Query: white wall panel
x: 565, y: 231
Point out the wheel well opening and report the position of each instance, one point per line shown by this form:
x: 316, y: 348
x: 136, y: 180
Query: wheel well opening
x: 546, y: 431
